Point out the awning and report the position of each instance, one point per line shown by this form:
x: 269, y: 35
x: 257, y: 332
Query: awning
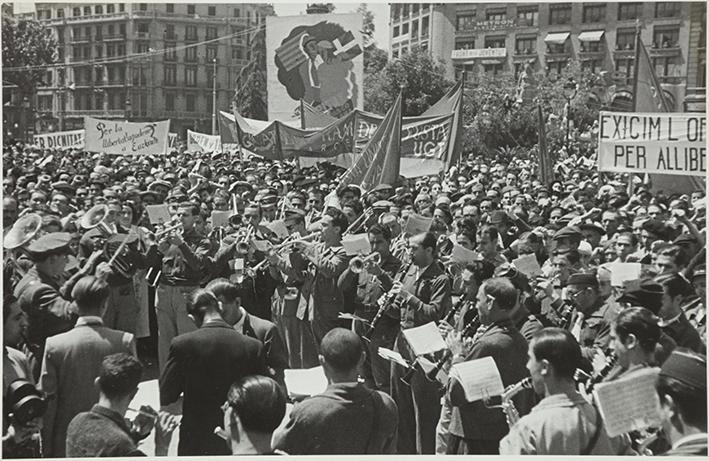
x: 591, y: 36
x: 557, y: 39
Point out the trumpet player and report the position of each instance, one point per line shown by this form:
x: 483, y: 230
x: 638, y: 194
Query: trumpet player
x: 364, y: 287
x: 563, y: 423
x: 475, y: 428
x: 424, y: 295
x: 184, y: 259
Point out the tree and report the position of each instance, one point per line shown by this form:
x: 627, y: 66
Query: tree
x: 367, y: 20
x: 251, y: 95
x: 320, y: 8
x: 374, y: 60
x: 423, y: 80
x: 26, y: 43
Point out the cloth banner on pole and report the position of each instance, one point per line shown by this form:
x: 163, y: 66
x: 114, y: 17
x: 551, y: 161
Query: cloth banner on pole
x: 200, y: 142
x: 126, y: 138
x: 666, y: 143
x: 59, y: 139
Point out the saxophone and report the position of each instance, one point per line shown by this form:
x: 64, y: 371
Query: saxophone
x: 508, y: 406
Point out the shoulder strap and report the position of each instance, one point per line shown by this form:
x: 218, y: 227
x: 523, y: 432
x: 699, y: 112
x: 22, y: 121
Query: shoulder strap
x: 594, y: 439
x: 373, y: 435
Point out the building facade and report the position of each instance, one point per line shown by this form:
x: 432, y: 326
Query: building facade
x: 144, y: 61
x: 504, y: 37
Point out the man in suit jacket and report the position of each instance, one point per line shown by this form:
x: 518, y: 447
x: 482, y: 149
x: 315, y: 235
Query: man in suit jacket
x: 201, y: 365
x: 72, y: 361
x: 474, y: 428
x: 253, y: 327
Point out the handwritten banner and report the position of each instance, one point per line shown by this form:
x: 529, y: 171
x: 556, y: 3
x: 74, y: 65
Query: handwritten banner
x: 200, y: 142
x: 74, y: 138
x: 126, y: 138
x: 666, y: 143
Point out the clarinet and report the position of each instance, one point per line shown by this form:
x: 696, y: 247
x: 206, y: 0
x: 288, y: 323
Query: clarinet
x: 469, y: 329
x: 612, y: 360
x: 450, y: 317
x: 385, y: 301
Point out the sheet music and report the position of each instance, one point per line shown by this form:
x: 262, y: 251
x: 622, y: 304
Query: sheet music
x: 158, y: 214
x: 417, y: 224
x: 425, y: 339
x: 220, y: 218
x: 621, y: 272
x: 480, y: 378
x: 357, y: 244
x: 528, y: 265
x: 309, y: 381
x: 278, y: 227
x: 392, y: 356
x: 462, y: 255
x: 629, y: 404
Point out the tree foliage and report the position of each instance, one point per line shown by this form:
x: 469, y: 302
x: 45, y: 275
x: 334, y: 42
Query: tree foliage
x: 367, y: 20
x: 423, y: 81
x: 26, y: 43
x: 251, y: 94
x: 320, y: 8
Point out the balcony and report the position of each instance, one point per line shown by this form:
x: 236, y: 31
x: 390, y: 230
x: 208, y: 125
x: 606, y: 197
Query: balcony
x: 186, y: 114
x: 110, y: 113
x: 114, y: 82
x: 81, y: 19
x: 114, y: 37
x: 665, y: 49
x: 142, y: 35
x: 526, y: 52
x: 81, y: 39
x: 169, y: 37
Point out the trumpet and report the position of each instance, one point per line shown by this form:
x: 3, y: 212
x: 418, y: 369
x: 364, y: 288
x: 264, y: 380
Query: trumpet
x: 358, y: 263
x: 168, y: 230
x: 285, y: 244
x: 359, y: 221
x: 211, y: 183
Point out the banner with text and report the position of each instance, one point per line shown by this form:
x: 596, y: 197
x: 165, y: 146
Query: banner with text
x: 667, y: 143
x: 59, y: 139
x: 200, y: 142
x: 126, y: 138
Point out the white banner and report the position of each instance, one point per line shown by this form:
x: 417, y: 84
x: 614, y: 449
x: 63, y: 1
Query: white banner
x: 59, y: 139
x: 667, y: 143
x: 126, y: 138
x: 200, y: 142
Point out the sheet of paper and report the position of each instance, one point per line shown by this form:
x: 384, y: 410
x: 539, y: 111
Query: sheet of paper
x: 462, y: 255
x: 417, y: 224
x: 425, y: 339
x: 357, y: 244
x: 308, y: 381
x: 528, y: 265
x: 348, y: 316
x: 392, y: 356
x: 158, y: 214
x: 621, y: 272
x: 568, y: 202
x: 629, y: 404
x: 480, y: 378
x: 279, y: 228
x: 220, y: 218
x: 261, y: 245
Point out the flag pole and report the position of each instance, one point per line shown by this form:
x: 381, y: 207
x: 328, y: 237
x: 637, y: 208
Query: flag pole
x: 637, y: 61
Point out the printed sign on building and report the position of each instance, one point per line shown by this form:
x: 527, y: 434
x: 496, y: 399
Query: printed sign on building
x: 316, y: 58
x: 666, y: 143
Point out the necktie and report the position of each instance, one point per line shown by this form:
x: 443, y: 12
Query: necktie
x: 578, y: 325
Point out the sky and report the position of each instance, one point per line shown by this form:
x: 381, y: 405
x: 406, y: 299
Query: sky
x: 379, y: 9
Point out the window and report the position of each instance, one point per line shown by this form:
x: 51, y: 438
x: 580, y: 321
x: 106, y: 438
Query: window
x: 555, y: 68
x: 98, y: 9
x: 396, y: 31
x: 143, y: 6
x: 190, y: 9
x: 121, y: 7
x: 237, y: 12
x: 629, y: 11
x: 170, y: 52
x: 143, y: 27
x: 211, y: 33
x: 495, y: 15
x: 48, y: 78
x: 170, y: 31
x: 170, y: 100
x: 625, y: 67
x: 528, y: 17
x: 99, y: 32
x: 170, y: 75
x: 190, y: 76
x: 76, y: 12
x: 121, y: 50
x: 170, y: 7
x: 139, y: 76
x: 466, y: 44
x: 395, y: 54
x: 414, y: 29
x: 110, y: 50
x: 99, y: 51
x: 76, y: 33
x: 424, y: 26
x: 142, y: 47
x: 237, y: 52
x: 122, y: 30
x: 493, y: 69
x: 405, y: 10
x: 625, y: 39
x: 191, y: 33
x: 87, y: 11
x: 189, y: 102
x: 591, y: 47
x: 110, y: 8
x: 44, y: 102
x: 559, y: 14
x: 494, y: 42
x: 211, y: 11
x: 526, y: 45
x: 396, y: 12
x: 594, y: 13
x: 665, y: 37
x: 87, y: 52
x: 211, y: 53
x: 191, y: 54
x: 592, y: 65
x: 111, y: 30
x: 87, y: 32
x: 667, y: 66
x: 415, y: 8
x: 667, y: 9
x: 99, y: 74
x: 60, y: 13
x: 466, y: 22
x: 405, y: 28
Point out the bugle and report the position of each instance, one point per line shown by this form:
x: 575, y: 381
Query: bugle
x: 168, y: 230
x: 357, y: 264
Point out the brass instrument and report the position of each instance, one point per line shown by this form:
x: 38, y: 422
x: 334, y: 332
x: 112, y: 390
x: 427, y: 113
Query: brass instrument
x: 358, y: 263
x: 211, y: 183
x: 508, y: 406
x: 362, y: 219
x: 291, y: 240
x: 23, y: 231
x: 168, y: 230
x: 96, y: 218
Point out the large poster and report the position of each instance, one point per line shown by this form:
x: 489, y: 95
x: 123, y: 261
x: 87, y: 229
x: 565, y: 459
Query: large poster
x: 316, y: 58
x: 126, y: 138
x: 58, y: 139
x: 666, y: 143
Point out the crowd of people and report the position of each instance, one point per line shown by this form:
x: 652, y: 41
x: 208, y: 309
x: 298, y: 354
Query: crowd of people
x: 96, y: 290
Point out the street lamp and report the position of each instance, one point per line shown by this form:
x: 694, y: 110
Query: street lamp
x: 214, y: 97
x: 570, y: 89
